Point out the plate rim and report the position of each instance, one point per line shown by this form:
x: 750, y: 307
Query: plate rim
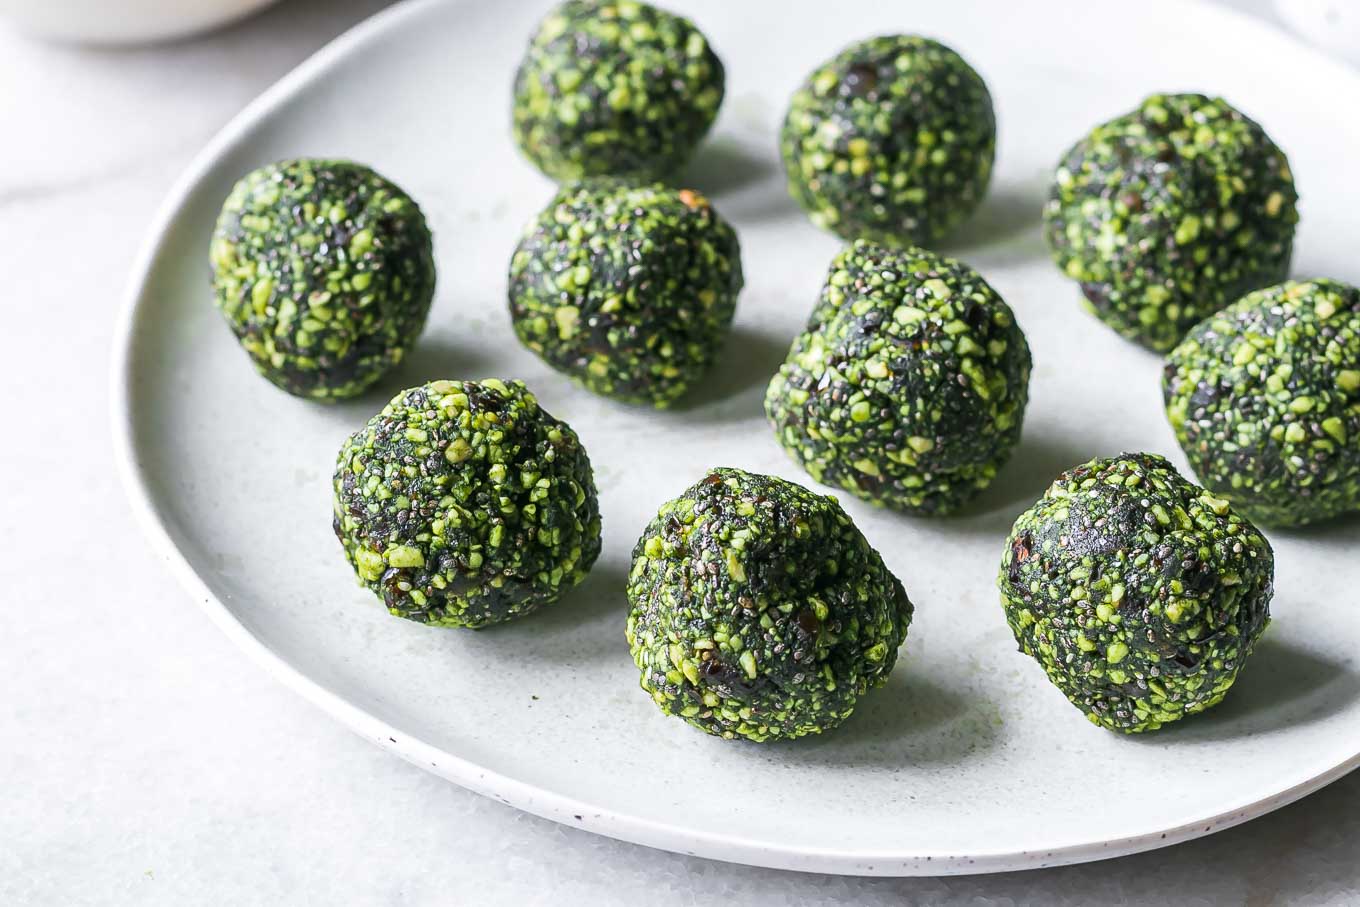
x: 481, y: 779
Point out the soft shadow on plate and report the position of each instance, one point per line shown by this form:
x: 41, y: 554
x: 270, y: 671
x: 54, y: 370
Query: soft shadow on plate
x: 437, y: 357
x: 747, y: 361
x: 909, y: 721
x: 1341, y: 533
x: 772, y: 203
x: 1281, y: 686
x: 586, y: 623
x: 723, y: 166
x: 1008, y: 215
x: 1038, y: 460
x: 431, y: 358
x: 746, y: 183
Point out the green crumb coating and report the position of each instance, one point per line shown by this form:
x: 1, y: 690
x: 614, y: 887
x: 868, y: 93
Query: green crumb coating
x: 628, y: 289
x: 1138, y: 592
x: 758, y: 610
x: 325, y: 272
x: 1170, y: 212
x: 891, y: 140
x: 1264, y: 398
x: 463, y: 504
x: 909, y: 386
x: 615, y: 88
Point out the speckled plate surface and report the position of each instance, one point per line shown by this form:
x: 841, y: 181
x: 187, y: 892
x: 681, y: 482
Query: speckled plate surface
x: 968, y: 760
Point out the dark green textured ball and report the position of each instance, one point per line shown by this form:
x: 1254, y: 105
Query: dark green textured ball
x: 1264, y: 398
x: 909, y: 386
x: 758, y: 610
x: 615, y: 88
x: 325, y: 272
x: 1139, y: 593
x: 890, y: 140
x: 464, y: 504
x: 628, y: 289
x: 1170, y: 212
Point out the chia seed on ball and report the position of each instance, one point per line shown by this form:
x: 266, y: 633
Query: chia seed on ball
x: 909, y: 386
x: 464, y: 504
x: 1139, y: 593
x: 615, y: 88
x: 890, y: 140
x: 628, y: 289
x: 758, y: 610
x: 324, y: 271
x: 1170, y: 212
x: 1264, y: 398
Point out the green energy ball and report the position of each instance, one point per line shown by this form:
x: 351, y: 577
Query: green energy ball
x: 463, y: 504
x: 891, y: 140
x: 758, y: 610
x: 615, y: 88
x: 325, y: 272
x: 628, y: 289
x: 1170, y: 212
x: 1264, y: 398
x: 909, y: 386
x: 1138, y: 592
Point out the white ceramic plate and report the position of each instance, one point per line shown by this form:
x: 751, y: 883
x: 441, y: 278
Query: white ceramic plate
x: 968, y: 760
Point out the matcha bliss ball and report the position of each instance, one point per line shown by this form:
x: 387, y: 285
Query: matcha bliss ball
x: 463, y: 503
x: 324, y: 271
x: 890, y: 140
x: 628, y: 289
x: 615, y: 88
x: 1139, y: 593
x: 1265, y: 401
x: 1170, y: 212
x: 909, y: 386
x: 758, y: 610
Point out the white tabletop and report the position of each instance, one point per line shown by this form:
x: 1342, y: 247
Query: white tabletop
x: 144, y: 760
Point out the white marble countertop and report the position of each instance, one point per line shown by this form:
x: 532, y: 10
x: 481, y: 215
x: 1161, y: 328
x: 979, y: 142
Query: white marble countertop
x: 144, y: 760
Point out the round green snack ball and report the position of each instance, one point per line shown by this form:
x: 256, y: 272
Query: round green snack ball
x: 890, y: 140
x: 628, y: 289
x: 909, y: 386
x: 758, y: 610
x: 615, y: 88
x: 463, y: 504
x: 1139, y: 593
x: 1264, y: 398
x: 325, y: 272
x: 1170, y: 212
